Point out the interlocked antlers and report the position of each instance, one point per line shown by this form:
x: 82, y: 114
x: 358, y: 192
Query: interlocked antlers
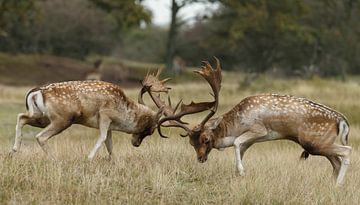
x: 152, y: 83
x: 213, y: 77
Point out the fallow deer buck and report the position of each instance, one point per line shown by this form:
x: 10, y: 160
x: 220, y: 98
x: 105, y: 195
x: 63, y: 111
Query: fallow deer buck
x: 95, y: 104
x: 265, y: 117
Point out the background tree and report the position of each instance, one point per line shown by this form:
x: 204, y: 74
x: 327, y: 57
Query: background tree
x: 14, y: 17
x: 15, y: 12
x: 175, y: 23
x: 74, y: 28
x: 126, y: 13
x: 288, y: 37
x: 261, y: 35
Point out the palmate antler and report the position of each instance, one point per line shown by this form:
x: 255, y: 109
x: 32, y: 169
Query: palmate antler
x: 151, y: 83
x: 213, y: 77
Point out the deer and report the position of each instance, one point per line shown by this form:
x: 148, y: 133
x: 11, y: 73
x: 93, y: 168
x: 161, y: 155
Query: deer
x: 91, y: 103
x: 95, y: 72
x: 265, y: 117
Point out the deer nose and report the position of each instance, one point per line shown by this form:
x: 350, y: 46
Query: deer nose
x: 202, y: 159
x: 136, y: 143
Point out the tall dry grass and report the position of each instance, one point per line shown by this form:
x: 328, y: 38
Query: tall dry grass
x: 165, y: 171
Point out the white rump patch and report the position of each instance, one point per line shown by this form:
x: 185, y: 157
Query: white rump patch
x: 343, y: 132
x: 36, y: 104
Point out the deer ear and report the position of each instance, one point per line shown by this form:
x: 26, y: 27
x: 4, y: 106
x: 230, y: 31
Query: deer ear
x: 216, y: 123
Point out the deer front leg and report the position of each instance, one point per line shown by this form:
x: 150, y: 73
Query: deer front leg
x: 104, y: 127
x: 241, y: 144
x: 239, y: 165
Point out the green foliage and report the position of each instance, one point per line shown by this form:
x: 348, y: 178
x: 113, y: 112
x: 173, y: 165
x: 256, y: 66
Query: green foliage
x: 144, y: 45
x: 294, y: 37
x: 127, y: 13
x: 15, y: 12
x: 74, y: 28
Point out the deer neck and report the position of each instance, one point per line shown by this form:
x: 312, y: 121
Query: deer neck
x: 220, y: 133
x: 227, y: 131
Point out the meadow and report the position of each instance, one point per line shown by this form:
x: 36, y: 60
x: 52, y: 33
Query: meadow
x: 165, y: 171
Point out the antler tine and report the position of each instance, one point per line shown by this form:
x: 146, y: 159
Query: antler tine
x: 177, y: 106
x: 158, y: 73
x: 169, y: 101
x: 147, y: 74
x: 165, y: 80
x: 217, y: 63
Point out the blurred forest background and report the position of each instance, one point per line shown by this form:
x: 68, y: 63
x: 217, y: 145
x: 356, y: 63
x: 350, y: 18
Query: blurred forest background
x: 285, y: 37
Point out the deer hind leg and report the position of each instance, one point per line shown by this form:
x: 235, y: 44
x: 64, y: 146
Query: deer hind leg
x: 22, y: 120
x: 108, y: 143
x: 336, y: 163
x: 339, y: 156
x: 344, y: 153
x: 51, y: 130
x: 104, y: 128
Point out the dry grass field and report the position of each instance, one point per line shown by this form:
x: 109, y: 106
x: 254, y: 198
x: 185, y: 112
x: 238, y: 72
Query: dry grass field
x: 165, y: 171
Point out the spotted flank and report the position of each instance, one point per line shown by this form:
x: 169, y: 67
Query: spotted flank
x: 288, y: 105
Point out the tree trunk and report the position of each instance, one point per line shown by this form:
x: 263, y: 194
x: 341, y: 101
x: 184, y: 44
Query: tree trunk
x: 170, y: 46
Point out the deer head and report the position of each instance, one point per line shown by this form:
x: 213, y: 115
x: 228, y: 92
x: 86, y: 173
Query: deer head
x: 152, y: 85
x: 149, y: 123
x: 202, y: 135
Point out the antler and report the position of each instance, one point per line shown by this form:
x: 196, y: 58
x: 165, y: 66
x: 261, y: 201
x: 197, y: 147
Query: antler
x: 151, y: 83
x: 184, y: 110
x: 213, y: 77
